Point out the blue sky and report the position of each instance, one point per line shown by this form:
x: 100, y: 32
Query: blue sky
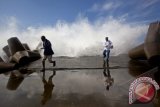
x: 48, y: 12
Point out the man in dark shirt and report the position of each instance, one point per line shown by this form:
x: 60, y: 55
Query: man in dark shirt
x: 48, y: 52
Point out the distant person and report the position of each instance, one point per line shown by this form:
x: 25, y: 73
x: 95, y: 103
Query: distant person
x: 48, y: 52
x: 106, y: 52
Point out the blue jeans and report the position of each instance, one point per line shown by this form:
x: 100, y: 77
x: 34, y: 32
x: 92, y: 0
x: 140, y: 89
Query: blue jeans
x: 106, y: 54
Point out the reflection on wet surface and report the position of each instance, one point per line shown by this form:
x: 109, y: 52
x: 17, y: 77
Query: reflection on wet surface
x: 48, y: 88
x: 70, y: 88
x: 108, y: 79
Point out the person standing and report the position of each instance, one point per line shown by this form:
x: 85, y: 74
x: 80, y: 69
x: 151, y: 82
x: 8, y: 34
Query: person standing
x: 48, y: 52
x: 106, y: 52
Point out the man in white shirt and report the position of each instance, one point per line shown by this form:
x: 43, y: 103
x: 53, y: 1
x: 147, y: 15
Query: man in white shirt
x: 106, y: 52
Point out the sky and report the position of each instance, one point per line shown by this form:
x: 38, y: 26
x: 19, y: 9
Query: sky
x: 78, y: 27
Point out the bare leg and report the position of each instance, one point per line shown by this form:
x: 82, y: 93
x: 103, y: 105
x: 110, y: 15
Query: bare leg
x: 51, y: 61
x: 43, y: 62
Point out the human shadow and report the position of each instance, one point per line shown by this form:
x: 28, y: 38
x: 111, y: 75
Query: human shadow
x: 48, y: 88
x: 108, y: 79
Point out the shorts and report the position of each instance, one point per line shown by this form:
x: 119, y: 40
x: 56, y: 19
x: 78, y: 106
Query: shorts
x: 49, y: 57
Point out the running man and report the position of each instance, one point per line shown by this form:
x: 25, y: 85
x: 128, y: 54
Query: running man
x: 106, y: 52
x: 48, y: 52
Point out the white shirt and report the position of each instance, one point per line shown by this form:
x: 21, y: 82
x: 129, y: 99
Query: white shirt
x: 108, y: 45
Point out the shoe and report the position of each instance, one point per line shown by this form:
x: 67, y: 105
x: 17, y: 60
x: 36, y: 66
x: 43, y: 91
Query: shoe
x: 54, y: 63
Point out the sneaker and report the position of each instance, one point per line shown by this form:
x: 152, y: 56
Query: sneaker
x: 54, y: 63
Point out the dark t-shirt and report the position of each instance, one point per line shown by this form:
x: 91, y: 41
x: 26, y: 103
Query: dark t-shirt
x: 47, y: 48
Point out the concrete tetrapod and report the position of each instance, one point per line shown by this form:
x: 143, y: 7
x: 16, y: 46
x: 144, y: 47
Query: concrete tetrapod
x: 150, y: 50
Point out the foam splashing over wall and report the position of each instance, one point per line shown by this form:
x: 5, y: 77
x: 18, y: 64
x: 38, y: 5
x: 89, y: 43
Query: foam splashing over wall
x: 78, y: 38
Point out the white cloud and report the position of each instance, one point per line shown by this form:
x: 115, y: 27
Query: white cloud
x: 149, y: 3
x: 107, y: 6
x: 110, y: 6
x: 80, y: 37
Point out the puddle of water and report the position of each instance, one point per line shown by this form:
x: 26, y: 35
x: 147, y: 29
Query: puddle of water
x: 78, y: 88
x: 72, y: 87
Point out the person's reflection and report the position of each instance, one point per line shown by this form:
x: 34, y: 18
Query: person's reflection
x: 48, y: 88
x: 108, y: 79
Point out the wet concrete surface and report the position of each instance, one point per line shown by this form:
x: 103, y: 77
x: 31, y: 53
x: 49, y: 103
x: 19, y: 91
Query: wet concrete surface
x: 70, y: 87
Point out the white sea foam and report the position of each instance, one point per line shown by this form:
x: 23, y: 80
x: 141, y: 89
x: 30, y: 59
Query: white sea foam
x: 80, y: 37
